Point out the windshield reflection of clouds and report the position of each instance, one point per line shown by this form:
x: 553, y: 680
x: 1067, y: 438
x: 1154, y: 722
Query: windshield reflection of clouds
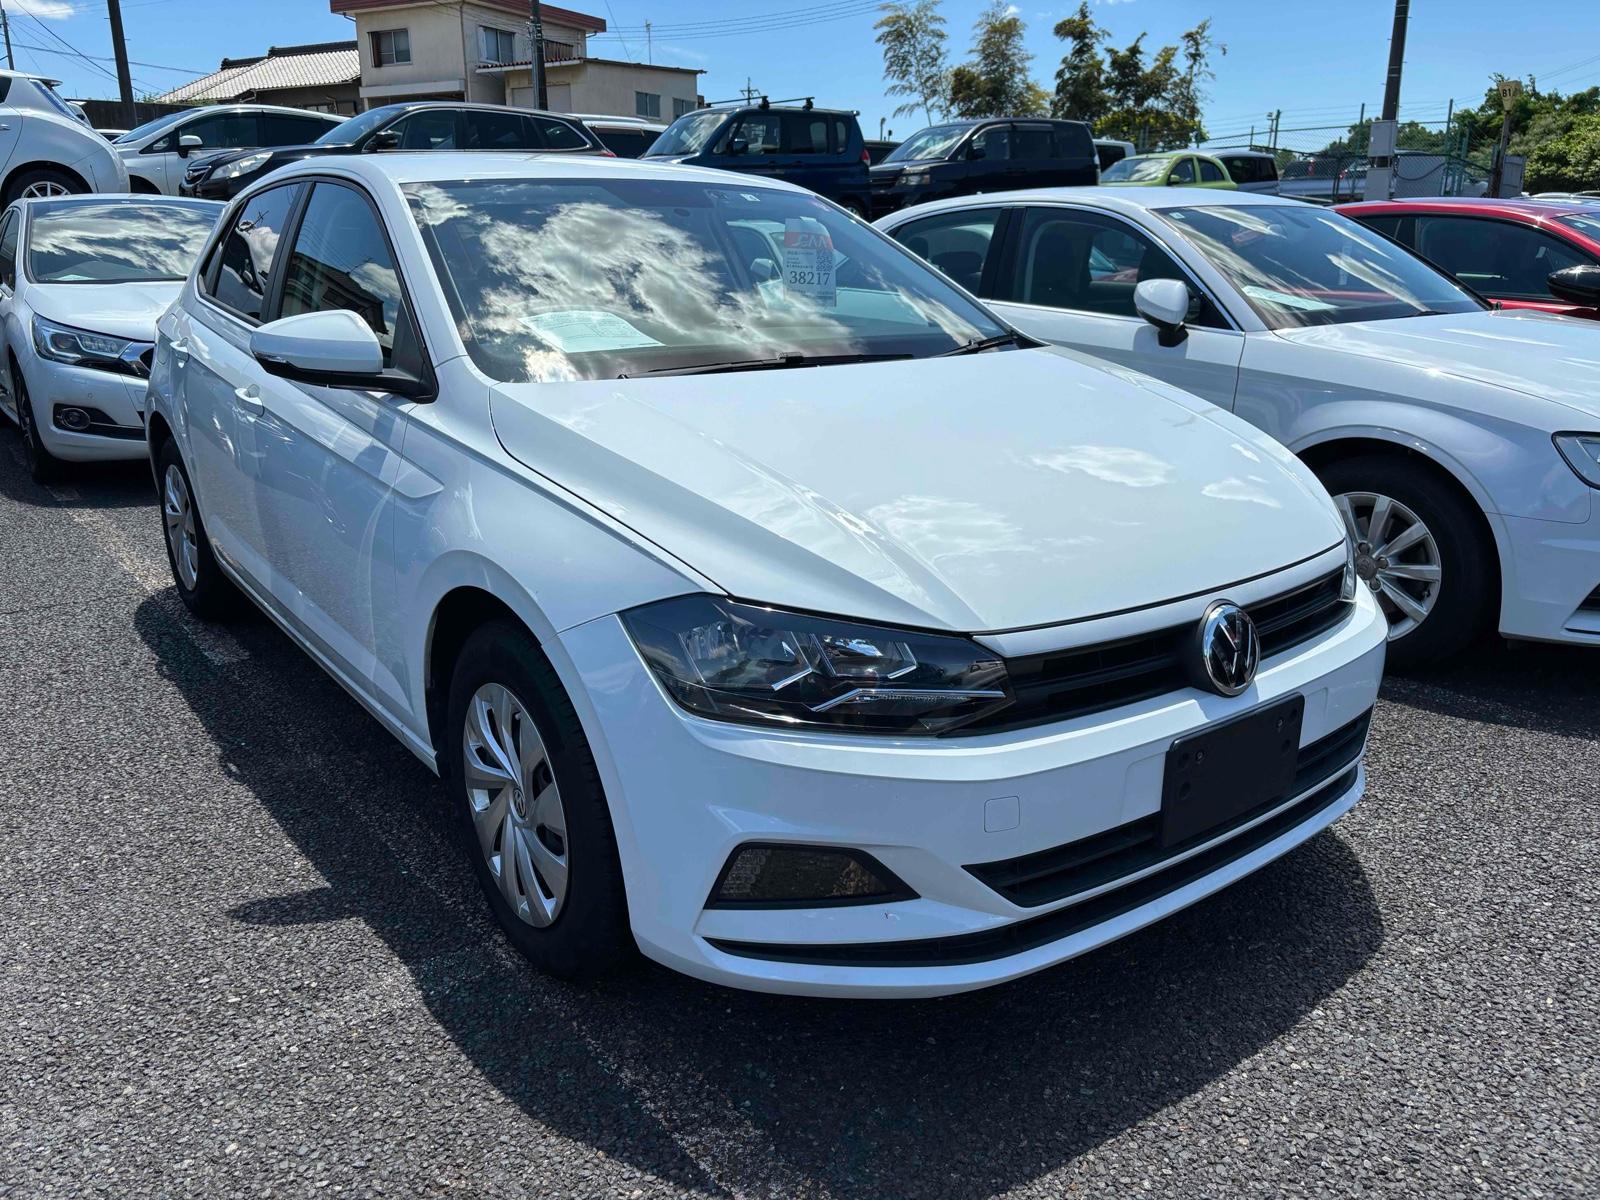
x: 111, y: 243
x: 572, y: 281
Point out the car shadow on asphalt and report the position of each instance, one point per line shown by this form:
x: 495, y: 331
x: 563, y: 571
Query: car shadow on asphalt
x: 88, y: 485
x: 1528, y: 685
x: 739, y: 1093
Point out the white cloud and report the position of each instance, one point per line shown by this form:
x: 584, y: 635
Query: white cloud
x: 50, y: 10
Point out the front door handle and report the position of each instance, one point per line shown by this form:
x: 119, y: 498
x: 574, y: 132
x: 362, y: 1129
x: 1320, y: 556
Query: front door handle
x: 180, y: 350
x: 249, y: 398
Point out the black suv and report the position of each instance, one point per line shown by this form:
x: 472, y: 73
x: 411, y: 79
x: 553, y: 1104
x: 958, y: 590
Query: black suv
x: 817, y: 148
x: 997, y: 154
x: 429, y: 125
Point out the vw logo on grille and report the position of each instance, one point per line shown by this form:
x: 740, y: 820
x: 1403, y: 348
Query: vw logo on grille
x: 1230, y: 650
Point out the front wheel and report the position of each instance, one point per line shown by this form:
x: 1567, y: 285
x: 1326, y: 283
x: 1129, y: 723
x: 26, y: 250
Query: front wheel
x: 533, y: 813
x: 43, y: 466
x: 1422, y: 551
x: 203, y: 588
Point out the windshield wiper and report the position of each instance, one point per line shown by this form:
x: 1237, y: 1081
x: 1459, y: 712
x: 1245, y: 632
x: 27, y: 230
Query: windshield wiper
x: 1010, y: 338
x: 766, y: 364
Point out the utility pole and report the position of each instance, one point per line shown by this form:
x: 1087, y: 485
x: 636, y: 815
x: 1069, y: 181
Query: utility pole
x: 541, y: 95
x: 119, y: 48
x: 1380, y: 146
x: 5, y: 23
x: 1510, y: 90
x: 649, y: 45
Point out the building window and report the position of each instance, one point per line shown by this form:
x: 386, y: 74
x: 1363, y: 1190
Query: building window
x: 680, y: 106
x: 647, y: 104
x: 390, y: 46
x: 496, y: 45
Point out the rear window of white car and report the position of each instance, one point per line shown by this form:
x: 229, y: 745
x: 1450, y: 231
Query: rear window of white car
x: 96, y: 241
x: 601, y: 278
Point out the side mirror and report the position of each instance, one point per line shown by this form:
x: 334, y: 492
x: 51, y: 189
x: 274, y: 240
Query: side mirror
x: 188, y: 142
x: 977, y: 150
x: 738, y: 146
x: 384, y: 139
x: 329, y: 349
x: 1576, y: 285
x: 1165, y: 304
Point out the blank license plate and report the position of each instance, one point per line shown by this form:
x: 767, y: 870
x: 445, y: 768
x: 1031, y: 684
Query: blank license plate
x: 1219, y: 774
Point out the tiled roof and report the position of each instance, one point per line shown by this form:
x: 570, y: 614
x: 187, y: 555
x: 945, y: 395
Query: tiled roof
x: 322, y: 65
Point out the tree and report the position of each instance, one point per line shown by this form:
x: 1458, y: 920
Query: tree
x: 1081, y: 79
x: 1187, y: 90
x: 996, y: 83
x: 914, y: 59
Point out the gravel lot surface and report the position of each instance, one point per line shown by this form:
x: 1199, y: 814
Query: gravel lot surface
x: 241, y: 954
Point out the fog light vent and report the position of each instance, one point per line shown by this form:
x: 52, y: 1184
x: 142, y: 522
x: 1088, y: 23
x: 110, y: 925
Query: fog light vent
x: 1592, y: 604
x: 768, y: 875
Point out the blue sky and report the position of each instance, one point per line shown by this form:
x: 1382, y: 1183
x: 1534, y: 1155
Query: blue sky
x: 1318, y: 62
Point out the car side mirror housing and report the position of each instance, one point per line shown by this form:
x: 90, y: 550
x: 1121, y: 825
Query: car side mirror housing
x: 1165, y: 304
x: 384, y: 139
x: 188, y: 142
x: 976, y: 151
x: 738, y: 146
x: 329, y: 349
x: 1576, y: 285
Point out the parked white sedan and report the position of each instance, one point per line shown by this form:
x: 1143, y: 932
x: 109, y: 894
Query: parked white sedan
x: 46, y: 149
x: 82, y: 281
x: 654, y: 507
x: 1462, y: 443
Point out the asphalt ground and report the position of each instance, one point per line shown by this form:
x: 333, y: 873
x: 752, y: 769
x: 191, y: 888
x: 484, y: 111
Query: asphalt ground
x: 242, y: 954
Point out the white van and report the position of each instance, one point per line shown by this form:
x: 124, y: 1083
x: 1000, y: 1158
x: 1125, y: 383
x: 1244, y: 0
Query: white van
x: 45, y: 149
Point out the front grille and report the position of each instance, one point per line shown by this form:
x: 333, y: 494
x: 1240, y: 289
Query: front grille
x: 1087, y: 679
x: 1079, y: 866
x: 1592, y: 604
x: 1022, y: 936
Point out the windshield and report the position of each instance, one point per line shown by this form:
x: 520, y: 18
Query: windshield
x: 348, y: 133
x: 101, y: 241
x: 139, y: 132
x: 689, y: 134
x: 1136, y: 170
x: 934, y: 142
x: 594, y: 279
x: 1588, y: 225
x: 1300, y: 265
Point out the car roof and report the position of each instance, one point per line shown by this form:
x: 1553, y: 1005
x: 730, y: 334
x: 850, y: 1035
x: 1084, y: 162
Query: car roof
x: 1237, y: 153
x: 410, y: 105
x: 1126, y: 200
x: 1523, y: 206
x: 424, y: 166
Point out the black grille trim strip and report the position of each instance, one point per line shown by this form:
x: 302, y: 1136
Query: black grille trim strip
x: 1061, y: 684
x: 1022, y: 936
x: 1592, y: 603
x: 1087, y: 863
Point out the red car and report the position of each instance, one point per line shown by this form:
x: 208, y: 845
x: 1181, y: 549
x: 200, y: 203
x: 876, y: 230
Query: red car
x: 1541, y: 254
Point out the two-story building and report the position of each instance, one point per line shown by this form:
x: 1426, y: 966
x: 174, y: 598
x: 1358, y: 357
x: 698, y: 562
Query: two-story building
x: 481, y: 50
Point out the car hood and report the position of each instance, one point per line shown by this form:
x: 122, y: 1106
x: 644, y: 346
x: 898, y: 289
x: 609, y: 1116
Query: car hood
x: 980, y: 493
x: 279, y: 153
x: 127, y: 310
x: 1537, y: 354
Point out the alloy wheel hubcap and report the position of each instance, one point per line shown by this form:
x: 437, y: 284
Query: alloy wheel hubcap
x: 177, y: 509
x: 516, y: 804
x: 1396, y: 557
x: 44, y: 188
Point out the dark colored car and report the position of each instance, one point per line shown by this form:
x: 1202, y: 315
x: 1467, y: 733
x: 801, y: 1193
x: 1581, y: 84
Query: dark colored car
x: 999, y: 154
x: 816, y: 148
x: 427, y: 125
x: 1539, y: 254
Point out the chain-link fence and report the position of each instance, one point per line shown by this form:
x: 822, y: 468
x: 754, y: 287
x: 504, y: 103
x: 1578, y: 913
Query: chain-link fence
x: 1328, y: 163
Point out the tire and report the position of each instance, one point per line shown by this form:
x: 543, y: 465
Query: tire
x: 576, y: 929
x: 43, y: 181
x: 857, y: 208
x: 203, y: 588
x: 1461, y: 603
x: 43, y: 466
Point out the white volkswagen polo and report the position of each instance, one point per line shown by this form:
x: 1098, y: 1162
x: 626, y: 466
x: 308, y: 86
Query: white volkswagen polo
x: 765, y: 601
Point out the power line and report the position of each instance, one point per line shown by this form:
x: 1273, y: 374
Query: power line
x: 100, y: 59
x: 781, y: 14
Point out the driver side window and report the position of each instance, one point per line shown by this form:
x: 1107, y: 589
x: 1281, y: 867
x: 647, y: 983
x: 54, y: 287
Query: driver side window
x: 1182, y: 172
x: 8, y: 250
x: 761, y: 130
x: 425, y: 130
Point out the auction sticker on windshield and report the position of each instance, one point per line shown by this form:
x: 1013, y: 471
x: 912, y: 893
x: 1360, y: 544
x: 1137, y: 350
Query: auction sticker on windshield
x: 582, y: 331
x: 808, y: 260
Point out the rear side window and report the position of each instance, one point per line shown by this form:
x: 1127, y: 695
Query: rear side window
x: 626, y: 143
x: 1072, y: 140
x: 958, y: 243
x: 559, y: 135
x: 841, y: 135
x: 499, y: 131
x: 246, y: 258
x: 1032, y: 142
x: 805, y: 133
x: 341, y: 260
x: 280, y: 129
x: 1388, y: 226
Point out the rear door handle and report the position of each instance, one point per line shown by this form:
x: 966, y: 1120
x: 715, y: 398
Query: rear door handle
x: 249, y: 398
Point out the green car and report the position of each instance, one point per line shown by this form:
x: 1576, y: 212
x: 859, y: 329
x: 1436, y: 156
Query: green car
x: 1175, y: 168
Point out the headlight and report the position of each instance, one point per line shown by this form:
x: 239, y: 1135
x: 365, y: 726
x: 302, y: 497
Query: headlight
x: 240, y: 166
x: 737, y: 662
x: 80, y: 348
x: 1582, y: 452
x: 916, y: 179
